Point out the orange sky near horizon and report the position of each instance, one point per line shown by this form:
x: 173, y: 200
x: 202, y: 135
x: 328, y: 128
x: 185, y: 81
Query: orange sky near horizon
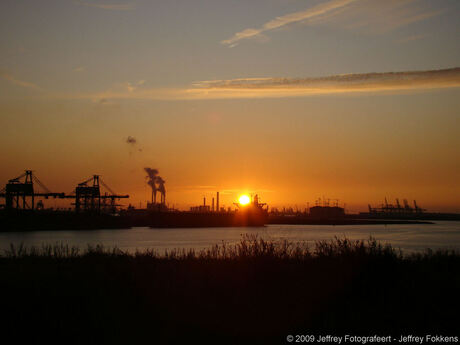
x: 358, y: 151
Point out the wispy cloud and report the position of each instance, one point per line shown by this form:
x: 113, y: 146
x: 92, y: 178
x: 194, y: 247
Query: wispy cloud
x: 206, y: 190
x: 369, y: 16
x: 290, y: 87
x: 113, y: 7
x: 368, y: 82
x: 19, y: 82
x: 380, y: 17
x: 278, y: 22
x: 193, y: 189
x: 413, y: 38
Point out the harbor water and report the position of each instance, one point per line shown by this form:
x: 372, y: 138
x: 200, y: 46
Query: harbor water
x: 408, y: 237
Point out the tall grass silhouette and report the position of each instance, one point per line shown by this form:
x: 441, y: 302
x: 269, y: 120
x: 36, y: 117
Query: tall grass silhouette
x: 255, y: 291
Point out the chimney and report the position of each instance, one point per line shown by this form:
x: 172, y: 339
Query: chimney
x: 217, y: 203
x: 204, y: 201
x: 212, y: 204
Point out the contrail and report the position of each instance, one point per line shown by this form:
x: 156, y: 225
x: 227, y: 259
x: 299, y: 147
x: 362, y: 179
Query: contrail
x: 272, y: 87
x: 343, y: 82
x: 278, y: 22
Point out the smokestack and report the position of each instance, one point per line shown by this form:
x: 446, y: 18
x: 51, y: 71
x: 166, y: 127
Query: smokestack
x: 204, y: 201
x: 153, y: 180
x: 217, y: 202
x: 161, y: 188
x: 212, y: 204
x: 152, y: 176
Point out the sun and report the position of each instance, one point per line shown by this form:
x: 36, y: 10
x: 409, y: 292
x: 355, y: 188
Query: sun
x: 244, y: 199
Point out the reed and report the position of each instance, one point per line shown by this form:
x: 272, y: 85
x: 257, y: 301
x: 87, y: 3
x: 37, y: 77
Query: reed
x: 255, y: 291
x: 249, y: 247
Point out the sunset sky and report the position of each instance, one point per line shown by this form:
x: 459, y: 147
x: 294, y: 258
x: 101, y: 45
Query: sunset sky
x: 356, y: 100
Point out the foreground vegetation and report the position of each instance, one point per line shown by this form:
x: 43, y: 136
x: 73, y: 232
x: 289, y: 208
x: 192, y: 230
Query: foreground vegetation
x: 257, y: 291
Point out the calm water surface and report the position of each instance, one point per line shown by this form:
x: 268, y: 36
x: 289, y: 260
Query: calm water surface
x: 409, y: 237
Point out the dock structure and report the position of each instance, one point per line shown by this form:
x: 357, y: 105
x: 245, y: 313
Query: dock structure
x: 22, y: 192
x: 88, y: 197
x: 387, y: 209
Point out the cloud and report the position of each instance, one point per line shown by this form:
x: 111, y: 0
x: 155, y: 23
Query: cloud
x: 98, y: 101
x: 79, y: 69
x: 287, y: 19
x: 380, y: 17
x: 128, y: 86
x: 367, y: 82
x: 113, y: 7
x: 369, y: 16
x: 194, y: 189
x: 288, y: 87
x: 18, y: 82
x: 412, y: 38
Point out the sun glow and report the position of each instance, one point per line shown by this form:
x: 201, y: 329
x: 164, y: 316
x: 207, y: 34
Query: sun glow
x: 244, y: 199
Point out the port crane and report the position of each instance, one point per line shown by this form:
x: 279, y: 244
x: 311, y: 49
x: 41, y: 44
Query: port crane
x: 397, y: 209
x: 88, y: 197
x: 19, y: 192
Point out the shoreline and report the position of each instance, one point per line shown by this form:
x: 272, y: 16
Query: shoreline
x: 30, y: 222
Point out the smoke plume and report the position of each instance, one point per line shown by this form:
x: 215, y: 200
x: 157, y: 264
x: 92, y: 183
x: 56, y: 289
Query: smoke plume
x: 161, y: 185
x: 131, y: 140
x: 156, y: 182
x: 151, y: 176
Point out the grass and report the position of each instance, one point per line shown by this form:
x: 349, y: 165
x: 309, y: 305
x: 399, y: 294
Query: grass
x: 256, y: 291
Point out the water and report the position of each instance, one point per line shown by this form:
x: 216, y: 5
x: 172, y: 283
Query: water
x: 408, y: 237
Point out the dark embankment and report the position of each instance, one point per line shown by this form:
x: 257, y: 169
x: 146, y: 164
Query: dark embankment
x: 305, y: 220
x: 257, y: 292
x: 60, y: 220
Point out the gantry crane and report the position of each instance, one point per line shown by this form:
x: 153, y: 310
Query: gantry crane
x: 19, y: 192
x: 88, y: 196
